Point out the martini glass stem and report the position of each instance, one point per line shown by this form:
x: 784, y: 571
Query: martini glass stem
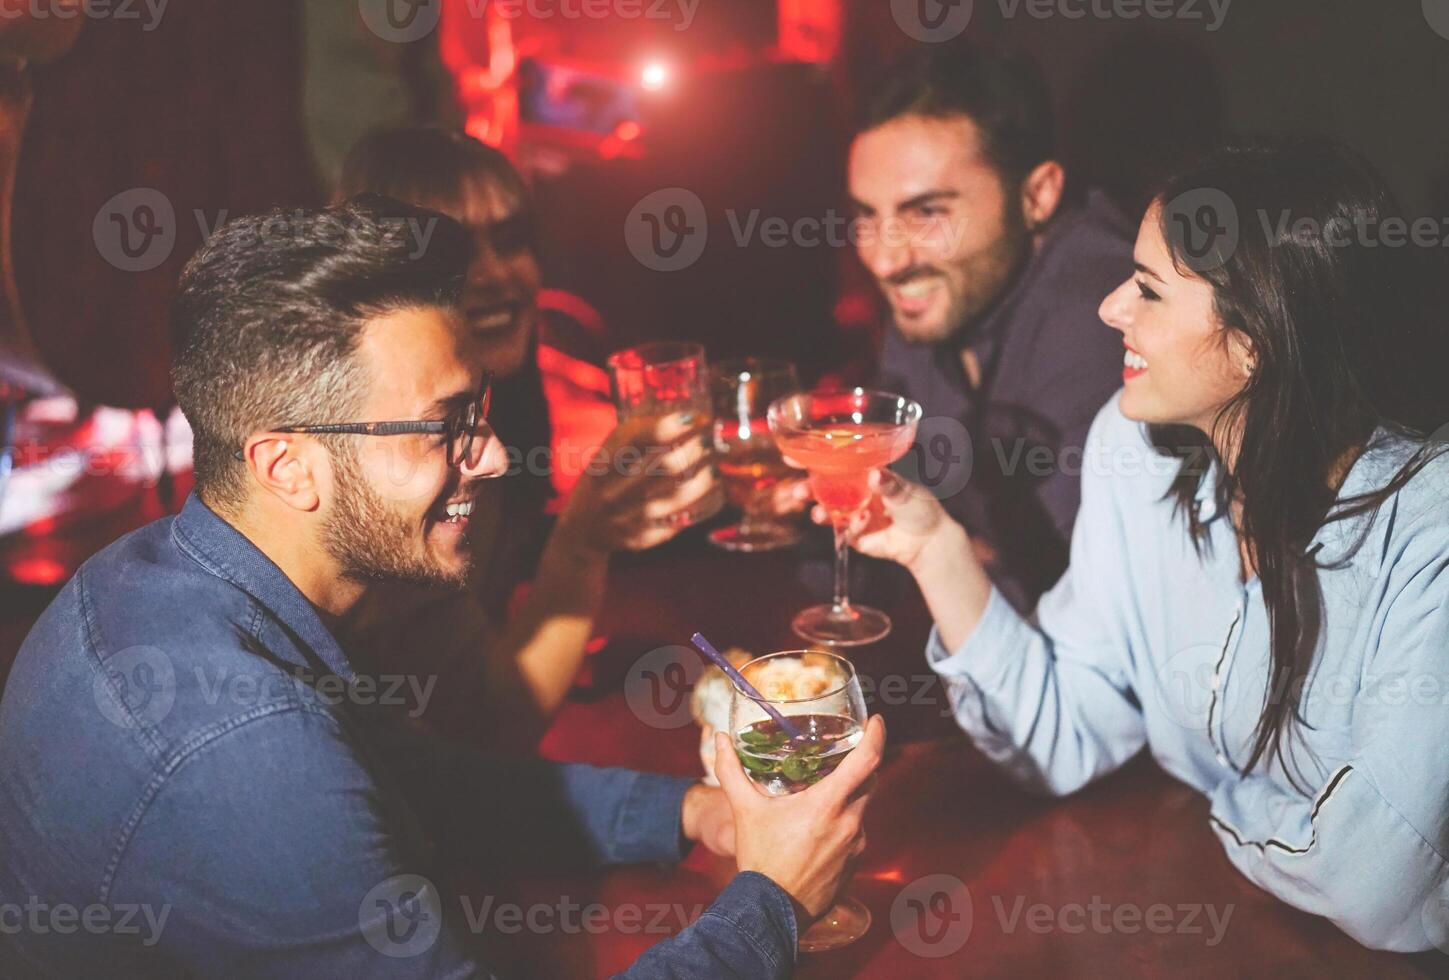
x: 842, y: 570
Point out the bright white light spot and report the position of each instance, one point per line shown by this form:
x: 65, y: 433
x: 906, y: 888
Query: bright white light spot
x: 654, y: 76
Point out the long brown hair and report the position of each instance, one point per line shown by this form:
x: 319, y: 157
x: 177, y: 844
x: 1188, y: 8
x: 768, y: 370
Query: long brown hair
x: 1345, y: 347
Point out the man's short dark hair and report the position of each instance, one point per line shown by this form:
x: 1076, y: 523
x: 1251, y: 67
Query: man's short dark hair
x: 1004, y: 94
x: 271, y: 309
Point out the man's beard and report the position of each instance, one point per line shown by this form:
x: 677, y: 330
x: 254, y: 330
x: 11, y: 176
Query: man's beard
x: 371, y: 541
x: 988, y: 276
x: 994, y: 278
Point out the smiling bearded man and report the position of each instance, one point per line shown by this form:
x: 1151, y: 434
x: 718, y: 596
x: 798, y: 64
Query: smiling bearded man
x: 183, y: 734
x: 993, y: 276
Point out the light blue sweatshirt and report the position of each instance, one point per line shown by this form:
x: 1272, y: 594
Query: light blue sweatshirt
x: 1144, y: 641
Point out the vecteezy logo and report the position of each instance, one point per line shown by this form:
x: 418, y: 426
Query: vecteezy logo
x: 402, y: 916
x: 932, y: 916
x: 941, y: 457
x: 401, y: 21
x: 135, y: 231
x: 1436, y: 12
x: 135, y: 687
x: 667, y: 230
x: 1202, y: 226
x: 658, y: 685
x: 932, y: 21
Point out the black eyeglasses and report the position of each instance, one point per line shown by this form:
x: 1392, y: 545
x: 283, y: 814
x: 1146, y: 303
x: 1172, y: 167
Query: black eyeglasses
x: 461, y: 427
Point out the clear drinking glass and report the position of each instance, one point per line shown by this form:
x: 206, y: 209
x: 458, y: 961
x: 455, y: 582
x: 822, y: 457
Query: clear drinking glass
x: 659, y: 379
x: 749, y: 461
x: 839, y: 437
x: 820, y: 693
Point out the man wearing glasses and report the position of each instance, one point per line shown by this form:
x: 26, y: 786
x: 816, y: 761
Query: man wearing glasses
x: 191, y: 766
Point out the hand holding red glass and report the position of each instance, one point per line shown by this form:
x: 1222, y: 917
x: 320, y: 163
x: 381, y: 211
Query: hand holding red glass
x: 840, y: 437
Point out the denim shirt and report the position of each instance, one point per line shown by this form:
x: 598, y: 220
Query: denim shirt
x: 194, y: 781
x: 1147, y: 642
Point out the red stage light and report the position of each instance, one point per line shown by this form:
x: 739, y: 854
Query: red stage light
x: 37, y: 571
x: 41, y: 527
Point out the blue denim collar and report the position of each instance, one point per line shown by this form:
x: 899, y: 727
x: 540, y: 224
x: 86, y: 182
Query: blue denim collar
x: 229, y: 555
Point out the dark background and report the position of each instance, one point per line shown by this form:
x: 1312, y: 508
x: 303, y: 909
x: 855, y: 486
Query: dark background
x: 221, y: 109
x: 208, y: 109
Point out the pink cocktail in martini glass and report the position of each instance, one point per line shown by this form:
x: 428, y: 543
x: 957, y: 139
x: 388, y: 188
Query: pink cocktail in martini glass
x: 839, y: 437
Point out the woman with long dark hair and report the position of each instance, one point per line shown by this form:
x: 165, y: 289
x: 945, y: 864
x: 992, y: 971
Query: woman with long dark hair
x: 1259, y: 579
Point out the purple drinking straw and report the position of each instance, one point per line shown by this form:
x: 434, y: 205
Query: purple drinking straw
x: 748, y: 689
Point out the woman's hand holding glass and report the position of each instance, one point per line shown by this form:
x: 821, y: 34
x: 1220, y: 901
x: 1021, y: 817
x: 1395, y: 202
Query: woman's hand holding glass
x: 644, y: 484
x: 906, y: 524
x: 900, y: 524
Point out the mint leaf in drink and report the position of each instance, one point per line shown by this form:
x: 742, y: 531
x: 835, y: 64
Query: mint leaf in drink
x: 754, y: 764
x: 797, y: 768
x: 763, y: 738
